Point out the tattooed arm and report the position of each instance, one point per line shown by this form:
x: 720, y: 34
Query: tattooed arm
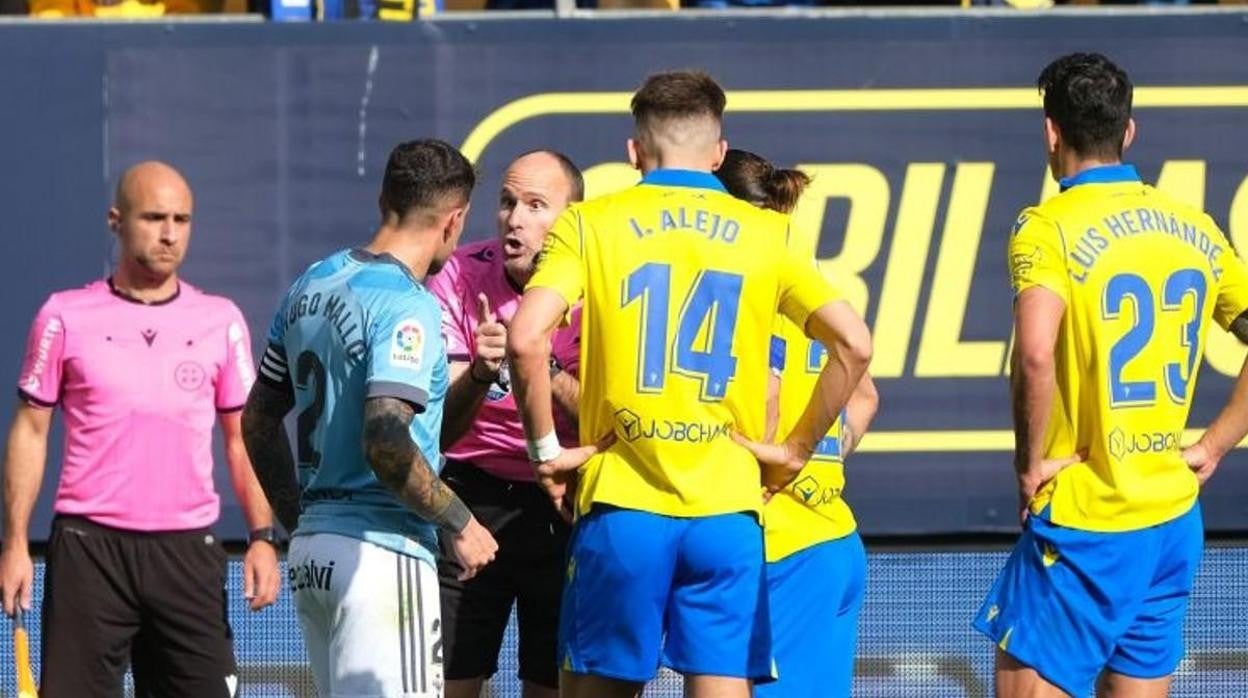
x: 265, y: 437
x: 402, y: 468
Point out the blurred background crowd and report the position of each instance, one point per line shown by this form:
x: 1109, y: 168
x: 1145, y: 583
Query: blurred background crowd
x: 409, y: 10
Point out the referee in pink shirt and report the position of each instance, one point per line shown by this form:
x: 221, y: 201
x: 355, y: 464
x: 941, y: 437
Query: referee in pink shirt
x: 141, y: 365
x: 487, y: 460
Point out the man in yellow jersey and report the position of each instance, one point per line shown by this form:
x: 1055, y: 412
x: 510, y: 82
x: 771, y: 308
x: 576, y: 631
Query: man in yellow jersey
x: 1115, y: 285
x: 816, y: 564
x: 681, y: 284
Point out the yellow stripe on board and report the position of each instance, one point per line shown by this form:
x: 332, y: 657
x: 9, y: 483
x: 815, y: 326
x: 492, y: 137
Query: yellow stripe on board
x: 928, y: 99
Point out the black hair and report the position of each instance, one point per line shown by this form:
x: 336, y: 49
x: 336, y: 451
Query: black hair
x: 1089, y: 99
x: 424, y: 174
x: 676, y: 96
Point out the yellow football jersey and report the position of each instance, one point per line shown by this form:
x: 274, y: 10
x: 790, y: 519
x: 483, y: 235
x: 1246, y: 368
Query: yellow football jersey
x: 681, y: 285
x: 810, y: 510
x: 1141, y: 275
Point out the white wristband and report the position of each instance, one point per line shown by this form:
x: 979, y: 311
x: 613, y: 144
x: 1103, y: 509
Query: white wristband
x: 545, y: 449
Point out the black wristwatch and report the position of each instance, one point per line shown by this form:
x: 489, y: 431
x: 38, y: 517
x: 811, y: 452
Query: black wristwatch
x: 268, y: 534
x: 555, y: 368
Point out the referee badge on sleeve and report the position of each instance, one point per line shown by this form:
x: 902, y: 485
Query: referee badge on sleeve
x: 242, y: 355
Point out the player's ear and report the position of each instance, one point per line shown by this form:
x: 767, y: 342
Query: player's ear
x: 1052, y: 136
x: 455, y: 222
x: 1128, y: 137
x: 114, y: 219
x: 721, y: 151
x: 634, y: 153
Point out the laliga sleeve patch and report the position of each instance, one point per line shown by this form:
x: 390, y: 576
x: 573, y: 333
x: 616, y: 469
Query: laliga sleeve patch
x: 1023, y: 262
x: 408, y: 345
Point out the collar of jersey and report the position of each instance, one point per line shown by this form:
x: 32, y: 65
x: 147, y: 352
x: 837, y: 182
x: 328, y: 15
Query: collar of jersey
x: 1105, y: 174
x: 112, y: 288
x: 684, y: 178
x: 362, y: 255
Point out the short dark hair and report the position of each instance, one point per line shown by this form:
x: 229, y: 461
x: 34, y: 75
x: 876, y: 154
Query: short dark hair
x: 576, y: 181
x: 423, y: 174
x: 1089, y: 98
x: 752, y: 178
x: 675, y: 96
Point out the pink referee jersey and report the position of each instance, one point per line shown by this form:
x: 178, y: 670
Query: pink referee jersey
x: 495, y: 442
x: 140, y: 386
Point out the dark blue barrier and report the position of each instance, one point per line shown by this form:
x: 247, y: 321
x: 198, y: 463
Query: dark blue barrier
x: 922, y: 132
x: 915, y: 638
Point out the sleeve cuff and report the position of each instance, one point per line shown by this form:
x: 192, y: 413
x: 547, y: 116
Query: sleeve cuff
x: 1229, y: 318
x: 1054, y: 287
x: 414, y: 396
x: 231, y: 410
x: 27, y: 397
x: 565, y: 294
x: 778, y: 354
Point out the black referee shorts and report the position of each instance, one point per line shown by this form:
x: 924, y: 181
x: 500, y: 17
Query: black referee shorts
x: 156, y: 601
x: 528, y: 571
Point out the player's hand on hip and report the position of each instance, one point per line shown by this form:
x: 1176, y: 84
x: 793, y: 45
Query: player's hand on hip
x: 17, y: 576
x: 780, y: 463
x: 562, y: 495
x: 262, y: 580
x: 1201, y: 461
x: 1034, y: 478
x: 490, y: 338
x: 474, y: 549
x: 555, y: 475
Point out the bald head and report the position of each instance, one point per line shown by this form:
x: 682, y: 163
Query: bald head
x: 142, y: 180
x: 551, y: 163
x: 537, y: 187
x: 151, y: 215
